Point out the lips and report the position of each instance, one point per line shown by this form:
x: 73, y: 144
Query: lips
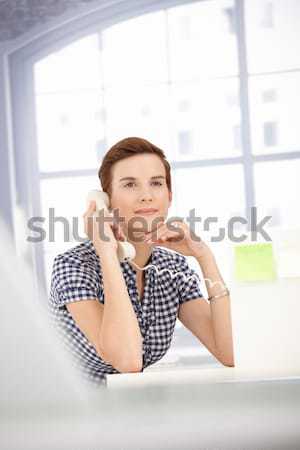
x: 146, y: 211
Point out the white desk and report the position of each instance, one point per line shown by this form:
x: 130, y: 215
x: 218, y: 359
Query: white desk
x: 198, y: 376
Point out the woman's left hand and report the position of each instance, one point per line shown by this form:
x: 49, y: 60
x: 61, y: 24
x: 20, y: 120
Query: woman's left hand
x: 181, y: 239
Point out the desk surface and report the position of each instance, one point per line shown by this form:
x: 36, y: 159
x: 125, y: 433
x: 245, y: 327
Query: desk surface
x: 198, y: 375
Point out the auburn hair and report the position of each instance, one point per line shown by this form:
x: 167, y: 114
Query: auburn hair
x: 125, y: 148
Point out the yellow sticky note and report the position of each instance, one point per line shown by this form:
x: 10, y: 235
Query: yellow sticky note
x: 254, y: 262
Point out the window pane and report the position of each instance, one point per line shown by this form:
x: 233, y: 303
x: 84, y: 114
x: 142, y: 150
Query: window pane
x: 273, y: 34
x: 279, y: 196
x: 135, y: 51
x: 202, y: 40
x: 75, y: 66
x: 70, y: 130
x: 68, y: 198
x: 142, y: 112
x: 212, y: 191
x: 205, y: 120
x: 216, y: 193
x: 275, y: 110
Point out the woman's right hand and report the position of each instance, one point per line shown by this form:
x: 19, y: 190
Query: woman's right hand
x: 97, y: 229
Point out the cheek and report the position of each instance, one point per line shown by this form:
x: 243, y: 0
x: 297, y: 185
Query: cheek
x: 165, y: 203
x: 126, y: 211
x: 120, y: 202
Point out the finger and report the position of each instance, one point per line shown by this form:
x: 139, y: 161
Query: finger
x: 156, y: 233
x: 157, y: 227
x: 166, y: 244
x: 91, y: 207
x: 122, y: 234
x: 117, y: 232
x: 116, y: 225
x: 164, y: 234
x: 167, y: 235
x: 160, y: 236
x: 90, y: 227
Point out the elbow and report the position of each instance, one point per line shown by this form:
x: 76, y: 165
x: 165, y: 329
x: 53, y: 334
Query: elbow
x: 226, y: 360
x: 125, y: 365
x: 123, y: 362
x: 229, y: 362
x: 226, y: 357
x: 129, y: 366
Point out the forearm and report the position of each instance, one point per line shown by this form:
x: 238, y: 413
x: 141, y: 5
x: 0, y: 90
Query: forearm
x: 120, y: 335
x: 220, y: 308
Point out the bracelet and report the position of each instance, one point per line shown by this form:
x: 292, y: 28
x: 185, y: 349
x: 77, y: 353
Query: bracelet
x: 222, y: 294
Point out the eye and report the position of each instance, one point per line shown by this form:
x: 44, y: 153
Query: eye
x: 130, y: 183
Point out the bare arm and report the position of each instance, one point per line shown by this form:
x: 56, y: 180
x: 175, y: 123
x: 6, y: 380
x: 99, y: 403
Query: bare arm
x: 220, y: 311
x: 120, y: 335
x: 211, y: 322
x: 88, y: 316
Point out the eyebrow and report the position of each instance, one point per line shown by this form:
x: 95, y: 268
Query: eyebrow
x: 133, y: 178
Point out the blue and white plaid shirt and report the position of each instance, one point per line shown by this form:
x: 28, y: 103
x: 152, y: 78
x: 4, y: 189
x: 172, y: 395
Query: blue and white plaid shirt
x: 77, y: 275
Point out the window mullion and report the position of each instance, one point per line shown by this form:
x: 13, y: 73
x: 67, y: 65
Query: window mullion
x: 244, y: 105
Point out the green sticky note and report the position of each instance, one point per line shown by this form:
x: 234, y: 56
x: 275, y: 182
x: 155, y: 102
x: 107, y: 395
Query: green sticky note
x: 254, y: 262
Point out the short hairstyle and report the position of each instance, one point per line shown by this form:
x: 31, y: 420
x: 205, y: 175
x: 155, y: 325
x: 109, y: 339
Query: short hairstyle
x: 125, y: 148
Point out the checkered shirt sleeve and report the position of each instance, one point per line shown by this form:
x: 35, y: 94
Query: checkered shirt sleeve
x: 73, y: 280
x: 188, y: 288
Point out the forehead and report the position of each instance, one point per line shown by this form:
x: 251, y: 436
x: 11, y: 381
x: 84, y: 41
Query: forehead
x: 138, y: 166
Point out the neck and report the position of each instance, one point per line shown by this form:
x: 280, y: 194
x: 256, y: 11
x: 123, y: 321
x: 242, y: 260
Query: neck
x: 143, y: 254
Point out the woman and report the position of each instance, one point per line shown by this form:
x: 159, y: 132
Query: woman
x: 115, y: 317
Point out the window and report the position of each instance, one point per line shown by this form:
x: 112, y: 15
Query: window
x: 209, y: 109
x: 270, y: 134
x: 230, y: 14
x: 274, y: 100
x: 208, y: 202
x: 236, y: 136
x: 277, y: 198
x: 188, y: 97
x: 267, y: 20
x: 273, y: 35
x: 185, y: 143
x: 193, y: 59
x: 269, y: 95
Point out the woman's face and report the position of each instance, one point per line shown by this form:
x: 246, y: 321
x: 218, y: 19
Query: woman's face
x: 139, y: 182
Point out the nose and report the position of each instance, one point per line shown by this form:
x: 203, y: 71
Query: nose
x: 146, y: 195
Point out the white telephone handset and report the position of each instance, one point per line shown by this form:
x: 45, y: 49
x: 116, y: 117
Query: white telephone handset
x: 125, y: 250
